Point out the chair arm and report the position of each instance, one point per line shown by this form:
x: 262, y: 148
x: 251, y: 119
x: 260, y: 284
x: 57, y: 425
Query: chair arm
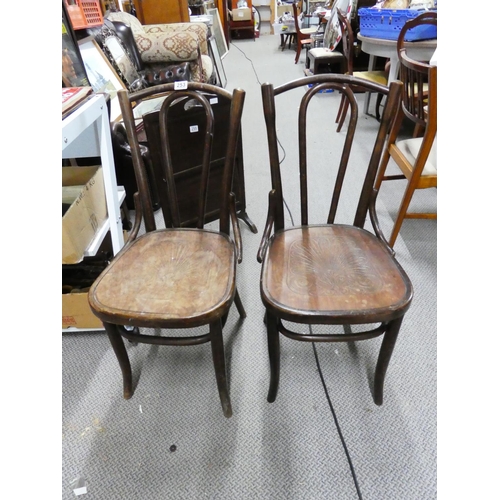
x: 376, y: 226
x: 137, y: 222
x: 236, y: 227
x: 267, y: 229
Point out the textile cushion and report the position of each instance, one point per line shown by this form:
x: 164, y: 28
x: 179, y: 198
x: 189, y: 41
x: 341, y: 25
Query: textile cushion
x: 411, y: 147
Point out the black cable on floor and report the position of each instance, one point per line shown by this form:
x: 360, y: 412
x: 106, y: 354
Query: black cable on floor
x: 251, y: 62
x: 351, y: 466
x: 259, y: 82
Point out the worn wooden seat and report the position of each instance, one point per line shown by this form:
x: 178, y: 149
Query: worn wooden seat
x: 175, y: 278
x: 329, y: 273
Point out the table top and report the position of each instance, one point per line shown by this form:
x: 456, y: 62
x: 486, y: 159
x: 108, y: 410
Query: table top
x: 392, y: 43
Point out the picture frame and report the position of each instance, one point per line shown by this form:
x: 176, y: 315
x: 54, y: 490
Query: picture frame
x: 118, y: 55
x: 219, y: 67
x: 101, y: 74
x: 218, y: 32
x: 73, y: 69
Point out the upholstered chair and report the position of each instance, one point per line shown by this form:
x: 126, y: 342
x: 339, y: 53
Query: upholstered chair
x: 166, y: 44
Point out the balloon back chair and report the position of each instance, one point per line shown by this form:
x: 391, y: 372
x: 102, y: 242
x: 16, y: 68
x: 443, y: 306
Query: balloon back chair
x: 329, y: 273
x: 373, y: 76
x: 416, y: 157
x: 174, y: 277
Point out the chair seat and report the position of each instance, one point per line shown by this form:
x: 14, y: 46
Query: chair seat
x: 410, y: 149
x: 323, y: 52
x: 373, y: 76
x: 309, y: 31
x: 332, y: 272
x: 193, y: 274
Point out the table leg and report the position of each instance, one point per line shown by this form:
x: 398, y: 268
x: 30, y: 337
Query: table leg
x: 371, y: 65
x: 394, y: 70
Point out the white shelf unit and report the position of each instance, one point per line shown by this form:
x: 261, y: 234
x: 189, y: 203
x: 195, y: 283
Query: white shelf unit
x: 86, y: 133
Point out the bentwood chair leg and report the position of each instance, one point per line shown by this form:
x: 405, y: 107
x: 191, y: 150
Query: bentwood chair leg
x: 341, y: 107
x: 121, y: 353
x: 377, y: 106
x: 217, y: 344
x: 239, y: 305
x: 384, y: 357
x: 273, y: 344
x: 345, y: 107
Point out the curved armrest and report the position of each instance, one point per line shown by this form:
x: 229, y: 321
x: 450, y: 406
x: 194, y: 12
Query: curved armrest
x: 236, y: 227
x: 268, y: 228
x: 374, y: 220
x: 137, y: 221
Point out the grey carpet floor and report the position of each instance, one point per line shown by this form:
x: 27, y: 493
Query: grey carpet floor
x: 296, y: 447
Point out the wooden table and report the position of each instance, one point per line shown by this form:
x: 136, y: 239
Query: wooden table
x: 377, y: 47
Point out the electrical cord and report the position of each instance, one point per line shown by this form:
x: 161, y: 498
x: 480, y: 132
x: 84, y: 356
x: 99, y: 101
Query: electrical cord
x: 281, y: 146
x: 337, y: 425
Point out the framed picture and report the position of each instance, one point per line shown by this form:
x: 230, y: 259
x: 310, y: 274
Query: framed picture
x: 119, y: 57
x: 219, y: 67
x: 218, y: 32
x: 101, y: 74
x: 73, y: 70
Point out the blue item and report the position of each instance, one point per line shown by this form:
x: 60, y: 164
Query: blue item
x: 387, y: 24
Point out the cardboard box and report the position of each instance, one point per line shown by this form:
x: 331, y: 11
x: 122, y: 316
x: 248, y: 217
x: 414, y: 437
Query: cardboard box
x: 244, y: 14
x: 76, y: 312
x: 87, y: 213
x: 281, y: 9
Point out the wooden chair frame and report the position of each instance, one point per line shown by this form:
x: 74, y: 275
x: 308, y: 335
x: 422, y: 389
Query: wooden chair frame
x: 174, y: 278
x: 374, y: 76
x: 282, y: 251
x: 419, y: 105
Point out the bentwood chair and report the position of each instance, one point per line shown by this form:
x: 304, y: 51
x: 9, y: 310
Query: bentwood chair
x: 175, y: 277
x: 373, y: 76
x: 329, y: 273
x: 303, y: 35
x: 416, y: 157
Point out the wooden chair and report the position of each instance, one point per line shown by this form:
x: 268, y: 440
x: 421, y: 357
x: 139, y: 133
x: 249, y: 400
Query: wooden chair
x: 174, y: 278
x: 373, y: 76
x: 415, y: 157
x: 303, y: 35
x: 333, y: 273
x: 321, y: 55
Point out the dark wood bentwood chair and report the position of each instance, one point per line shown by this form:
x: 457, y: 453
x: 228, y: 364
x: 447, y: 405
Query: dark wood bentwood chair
x: 373, y: 76
x: 176, y: 277
x: 329, y: 274
x: 415, y: 157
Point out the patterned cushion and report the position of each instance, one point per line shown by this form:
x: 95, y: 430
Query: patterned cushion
x: 173, y: 42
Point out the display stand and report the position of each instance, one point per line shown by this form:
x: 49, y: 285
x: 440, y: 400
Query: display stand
x: 85, y: 134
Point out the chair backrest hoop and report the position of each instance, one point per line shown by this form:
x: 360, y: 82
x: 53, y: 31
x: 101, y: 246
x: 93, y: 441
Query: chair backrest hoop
x: 341, y: 83
x: 426, y: 18
x: 171, y: 95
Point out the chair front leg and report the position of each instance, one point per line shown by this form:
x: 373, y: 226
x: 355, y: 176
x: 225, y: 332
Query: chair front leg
x: 239, y: 305
x: 121, y: 353
x: 384, y: 357
x: 273, y: 344
x: 218, y: 356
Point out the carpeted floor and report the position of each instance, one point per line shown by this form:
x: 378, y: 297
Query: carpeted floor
x: 171, y: 441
